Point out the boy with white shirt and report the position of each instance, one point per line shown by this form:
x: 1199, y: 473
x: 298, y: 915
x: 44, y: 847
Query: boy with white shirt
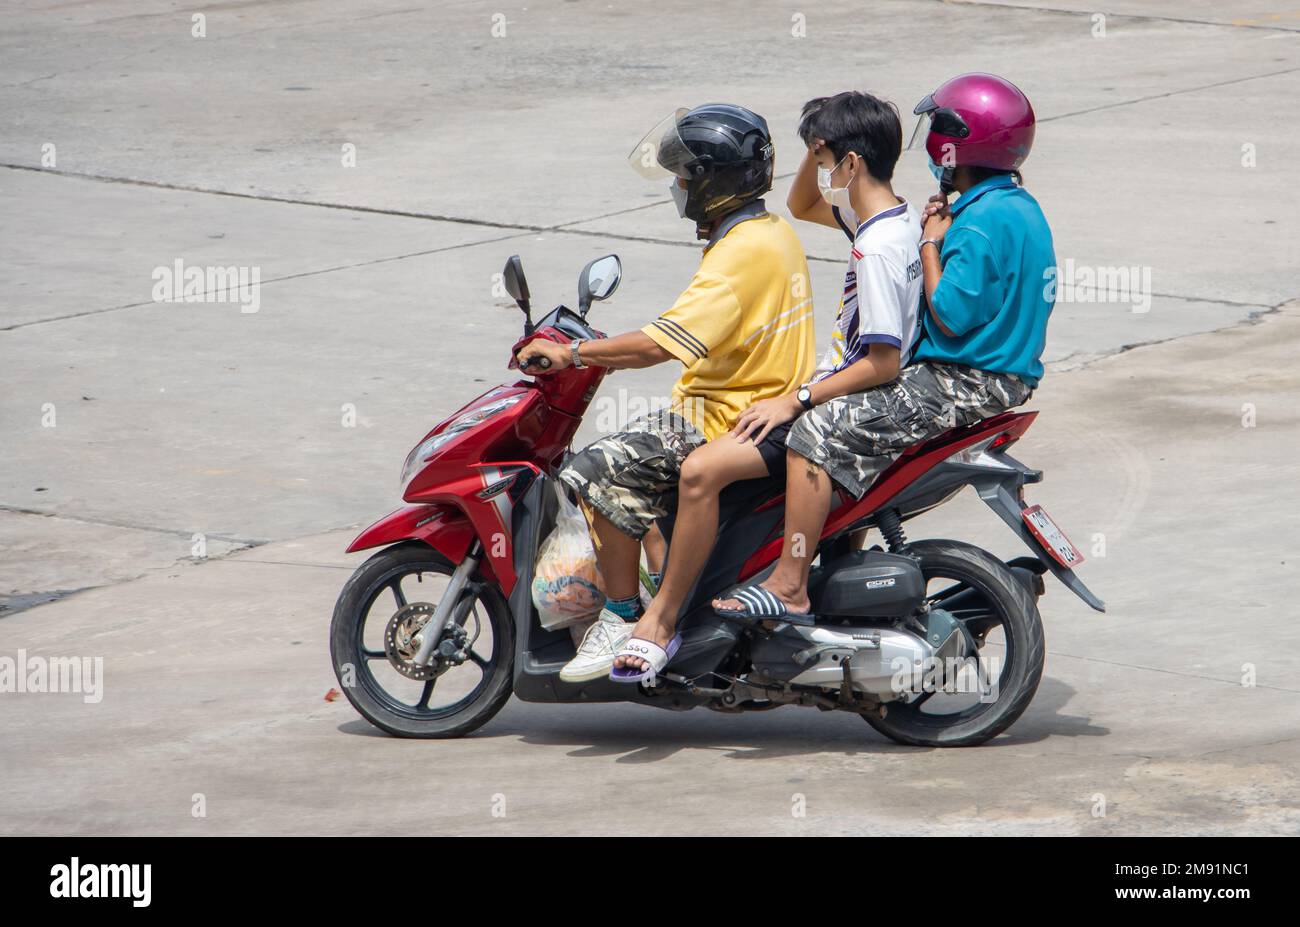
x: 865, y: 404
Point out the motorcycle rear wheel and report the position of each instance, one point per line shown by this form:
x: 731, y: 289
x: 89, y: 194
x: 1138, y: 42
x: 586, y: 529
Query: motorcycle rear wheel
x: 377, y: 590
x: 1005, y: 603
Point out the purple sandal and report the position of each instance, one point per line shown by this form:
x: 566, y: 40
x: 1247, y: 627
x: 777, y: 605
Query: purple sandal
x: 648, y: 651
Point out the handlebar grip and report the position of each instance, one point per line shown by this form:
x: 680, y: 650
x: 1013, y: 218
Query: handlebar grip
x: 541, y: 363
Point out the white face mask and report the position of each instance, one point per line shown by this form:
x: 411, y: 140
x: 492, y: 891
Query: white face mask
x: 836, y: 196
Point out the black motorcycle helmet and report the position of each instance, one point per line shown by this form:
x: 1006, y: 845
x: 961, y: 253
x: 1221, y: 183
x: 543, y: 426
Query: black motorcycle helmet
x: 723, y: 152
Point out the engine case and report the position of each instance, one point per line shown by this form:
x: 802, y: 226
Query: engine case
x: 867, y: 584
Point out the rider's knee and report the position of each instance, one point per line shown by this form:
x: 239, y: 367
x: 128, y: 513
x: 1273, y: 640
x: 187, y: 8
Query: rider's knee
x: 695, y: 479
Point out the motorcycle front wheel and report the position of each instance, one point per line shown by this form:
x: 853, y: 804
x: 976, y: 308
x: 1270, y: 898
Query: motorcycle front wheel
x: 376, y: 629
x: 996, y: 686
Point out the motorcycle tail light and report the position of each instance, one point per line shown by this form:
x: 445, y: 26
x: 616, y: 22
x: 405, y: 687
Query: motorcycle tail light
x: 979, y: 453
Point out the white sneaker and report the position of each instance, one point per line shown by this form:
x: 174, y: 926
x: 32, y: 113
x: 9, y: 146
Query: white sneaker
x: 595, y: 657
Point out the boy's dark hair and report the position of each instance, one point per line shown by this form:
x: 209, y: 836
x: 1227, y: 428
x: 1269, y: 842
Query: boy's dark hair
x: 853, y: 121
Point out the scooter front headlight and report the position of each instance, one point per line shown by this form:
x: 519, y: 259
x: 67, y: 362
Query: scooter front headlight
x: 454, y: 429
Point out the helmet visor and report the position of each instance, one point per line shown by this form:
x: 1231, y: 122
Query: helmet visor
x: 931, y: 117
x: 934, y: 118
x: 919, y: 132
x: 662, y: 153
x: 922, y: 113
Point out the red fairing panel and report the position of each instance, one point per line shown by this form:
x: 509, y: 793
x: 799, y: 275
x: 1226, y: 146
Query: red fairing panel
x: 442, y: 527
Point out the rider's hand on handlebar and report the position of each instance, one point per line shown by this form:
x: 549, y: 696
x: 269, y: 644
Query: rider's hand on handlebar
x: 531, y: 356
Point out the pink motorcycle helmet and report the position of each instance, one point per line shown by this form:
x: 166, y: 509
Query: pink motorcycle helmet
x: 980, y: 120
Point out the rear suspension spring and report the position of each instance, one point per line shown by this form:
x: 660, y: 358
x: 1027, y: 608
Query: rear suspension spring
x: 892, y: 528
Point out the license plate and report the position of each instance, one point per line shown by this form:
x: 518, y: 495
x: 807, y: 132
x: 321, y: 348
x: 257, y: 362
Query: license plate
x: 1051, y: 537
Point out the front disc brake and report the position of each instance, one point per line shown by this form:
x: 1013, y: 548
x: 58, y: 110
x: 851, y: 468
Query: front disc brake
x: 402, y: 641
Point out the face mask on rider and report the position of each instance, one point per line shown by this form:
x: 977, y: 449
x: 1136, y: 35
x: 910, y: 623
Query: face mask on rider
x: 836, y: 196
x: 939, y: 171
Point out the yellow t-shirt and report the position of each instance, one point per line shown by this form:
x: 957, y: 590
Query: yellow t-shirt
x: 744, y: 326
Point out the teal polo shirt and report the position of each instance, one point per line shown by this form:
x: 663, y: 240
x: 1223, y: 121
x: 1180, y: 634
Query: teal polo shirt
x: 994, y: 293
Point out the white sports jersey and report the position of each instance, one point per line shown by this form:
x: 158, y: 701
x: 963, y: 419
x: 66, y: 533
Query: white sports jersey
x: 882, y: 288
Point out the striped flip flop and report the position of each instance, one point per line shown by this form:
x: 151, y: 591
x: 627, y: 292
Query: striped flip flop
x: 760, y: 605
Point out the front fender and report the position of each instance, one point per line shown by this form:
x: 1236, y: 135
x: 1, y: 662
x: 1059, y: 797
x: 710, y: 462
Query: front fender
x: 443, y: 527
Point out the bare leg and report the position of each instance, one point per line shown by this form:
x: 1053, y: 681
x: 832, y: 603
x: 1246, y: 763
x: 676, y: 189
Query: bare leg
x: 705, y: 473
x: 619, y: 556
x: 807, y: 503
x: 655, y: 547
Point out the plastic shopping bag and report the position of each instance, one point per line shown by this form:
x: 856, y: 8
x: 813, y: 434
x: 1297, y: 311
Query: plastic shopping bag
x: 565, y: 582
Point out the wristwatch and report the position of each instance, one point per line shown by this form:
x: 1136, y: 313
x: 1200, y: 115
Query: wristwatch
x: 804, y: 395
x: 938, y: 243
x: 573, y: 353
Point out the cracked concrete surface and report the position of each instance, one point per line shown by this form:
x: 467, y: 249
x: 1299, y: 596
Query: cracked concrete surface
x: 173, y: 422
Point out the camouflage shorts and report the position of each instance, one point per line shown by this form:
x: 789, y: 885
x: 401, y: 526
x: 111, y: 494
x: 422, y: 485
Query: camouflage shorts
x: 631, y: 477
x: 855, y: 437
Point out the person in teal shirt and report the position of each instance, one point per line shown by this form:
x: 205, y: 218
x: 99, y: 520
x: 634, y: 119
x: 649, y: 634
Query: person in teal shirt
x: 987, y: 260
x: 990, y: 298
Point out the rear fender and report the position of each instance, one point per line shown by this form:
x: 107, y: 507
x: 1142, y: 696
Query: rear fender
x: 1029, y: 570
x: 1000, y: 496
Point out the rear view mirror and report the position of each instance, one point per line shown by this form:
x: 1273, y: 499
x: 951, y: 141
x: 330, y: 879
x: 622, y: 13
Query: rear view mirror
x: 598, y: 280
x: 517, y: 286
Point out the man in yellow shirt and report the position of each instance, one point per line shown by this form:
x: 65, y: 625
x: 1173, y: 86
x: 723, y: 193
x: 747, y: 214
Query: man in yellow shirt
x: 743, y: 329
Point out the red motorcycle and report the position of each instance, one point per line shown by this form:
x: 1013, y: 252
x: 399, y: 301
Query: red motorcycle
x: 933, y: 642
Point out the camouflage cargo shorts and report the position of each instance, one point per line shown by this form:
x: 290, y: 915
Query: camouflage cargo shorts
x: 631, y: 477
x: 855, y: 437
